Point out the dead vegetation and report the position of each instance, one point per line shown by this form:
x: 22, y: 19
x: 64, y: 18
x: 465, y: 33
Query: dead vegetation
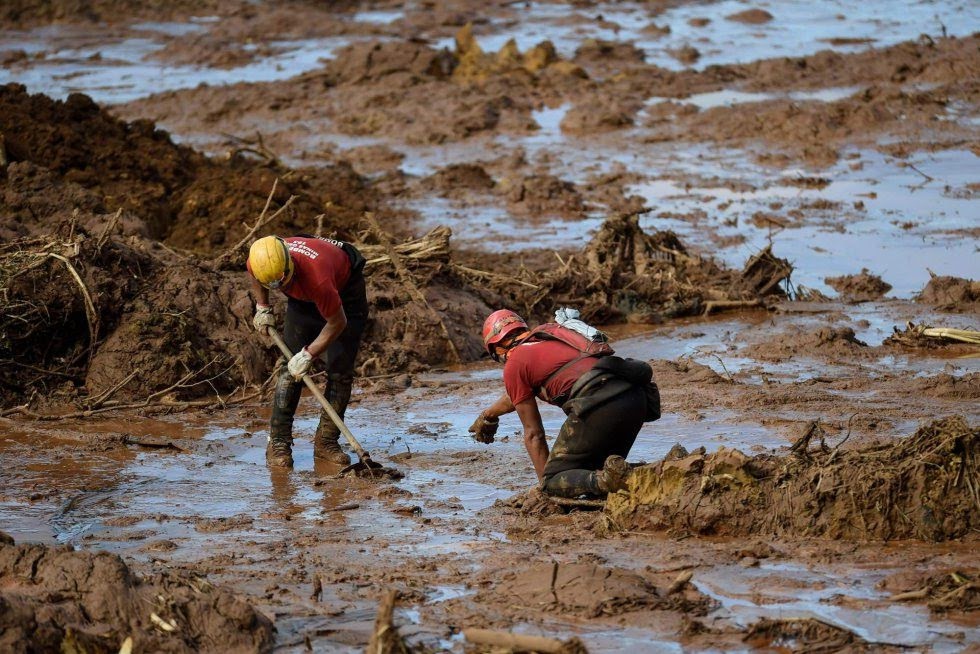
x: 926, y: 486
x: 625, y: 274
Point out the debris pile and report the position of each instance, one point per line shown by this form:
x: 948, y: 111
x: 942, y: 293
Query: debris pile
x: 924, y: 486
x: 626, y: 274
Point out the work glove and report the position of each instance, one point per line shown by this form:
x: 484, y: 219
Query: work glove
x: 263, y: 319
x: 300, y: 364
x: 484, y: 429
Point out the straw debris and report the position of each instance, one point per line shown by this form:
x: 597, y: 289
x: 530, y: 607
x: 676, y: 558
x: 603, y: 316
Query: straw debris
x: 926, y: 486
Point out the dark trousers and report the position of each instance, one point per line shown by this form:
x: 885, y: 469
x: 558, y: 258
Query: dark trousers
x: 584, y: 443
x: 303, y: 324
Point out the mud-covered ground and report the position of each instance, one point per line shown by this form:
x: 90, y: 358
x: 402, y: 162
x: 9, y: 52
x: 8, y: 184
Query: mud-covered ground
x: 628, y: 159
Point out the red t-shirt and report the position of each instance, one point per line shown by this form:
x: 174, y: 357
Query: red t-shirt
x: 529, y: 365
x: 321, y: 269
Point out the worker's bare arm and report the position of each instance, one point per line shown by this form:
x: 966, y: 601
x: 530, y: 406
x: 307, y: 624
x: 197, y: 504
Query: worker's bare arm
x: 534, y: 438
x: 331, y: 331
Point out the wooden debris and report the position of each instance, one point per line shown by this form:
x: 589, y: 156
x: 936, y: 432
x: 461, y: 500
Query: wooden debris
x: 522, y: 643
x: 385, y: 639
x: 406, y: 278
x: 682, y: 580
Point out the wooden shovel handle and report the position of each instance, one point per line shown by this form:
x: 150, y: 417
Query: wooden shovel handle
x: 310, y: 384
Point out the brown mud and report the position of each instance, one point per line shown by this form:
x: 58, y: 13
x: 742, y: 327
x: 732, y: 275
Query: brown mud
x: 57, y: 599
x: 811, y: 485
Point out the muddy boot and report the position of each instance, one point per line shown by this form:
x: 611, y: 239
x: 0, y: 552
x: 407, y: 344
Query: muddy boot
x: 326, y: 446
x: 279, y: 451
x: 613, y: 475
x: 326, y: 442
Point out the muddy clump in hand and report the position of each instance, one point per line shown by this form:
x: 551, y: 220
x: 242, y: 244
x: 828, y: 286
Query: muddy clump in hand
x: 56, y: 599
x: 918, y: 487
x: 951, y: 294
x: 863, y: 287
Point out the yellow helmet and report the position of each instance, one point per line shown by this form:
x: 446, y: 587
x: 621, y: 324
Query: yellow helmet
x: 269, y: 261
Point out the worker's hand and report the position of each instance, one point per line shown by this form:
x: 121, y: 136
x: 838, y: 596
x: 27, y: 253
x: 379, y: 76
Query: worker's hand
x: 485, y: 428
x: 300, y: 364
x: 263, y: 319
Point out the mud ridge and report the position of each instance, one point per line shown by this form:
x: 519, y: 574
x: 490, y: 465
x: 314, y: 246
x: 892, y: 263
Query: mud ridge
x: 924, y: 487
x: 57, y: 599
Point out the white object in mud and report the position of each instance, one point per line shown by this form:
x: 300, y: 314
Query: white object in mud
x: 569, y: 319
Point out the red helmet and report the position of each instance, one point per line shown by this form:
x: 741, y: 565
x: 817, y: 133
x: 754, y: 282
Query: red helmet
x: 498, y: 326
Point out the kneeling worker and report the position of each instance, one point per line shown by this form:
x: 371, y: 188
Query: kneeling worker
x: 606, y: 398
x: 326, y: 313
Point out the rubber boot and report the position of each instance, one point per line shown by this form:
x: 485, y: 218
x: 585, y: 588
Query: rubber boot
x: 326, y: 441
x: 279, y: 450
x: 613, y: 475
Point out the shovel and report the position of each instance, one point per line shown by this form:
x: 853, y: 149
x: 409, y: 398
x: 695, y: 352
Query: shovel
x: 365, y: 462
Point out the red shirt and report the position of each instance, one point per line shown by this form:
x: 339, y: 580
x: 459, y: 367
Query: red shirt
x: 530, y: 363
x: 321, y: 269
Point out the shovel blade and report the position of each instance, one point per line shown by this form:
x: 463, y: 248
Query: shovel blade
x: 368, y: 468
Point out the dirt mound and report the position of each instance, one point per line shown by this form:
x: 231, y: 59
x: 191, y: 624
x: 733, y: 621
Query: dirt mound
x: 599, y: 113
x: 459, y: 179
x: 919, y: 487
x: 543, y: 195
x: 947, y: 386
x: 57, y: 599
x: 22, y: 13
x: 183, y: 197
x: 113, y: 312
x: 863, y: 287
x: 382, y: 60
x: 593, y: 590
x: 751, y: 16
x: 829, y: 342
x: 951, y: 293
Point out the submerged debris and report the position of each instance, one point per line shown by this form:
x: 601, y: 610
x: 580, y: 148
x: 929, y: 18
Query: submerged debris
x: 931, y: 337
x: 926, y: 486
x: 804, y: 635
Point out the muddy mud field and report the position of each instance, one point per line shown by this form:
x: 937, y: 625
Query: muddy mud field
x: 775, y: 204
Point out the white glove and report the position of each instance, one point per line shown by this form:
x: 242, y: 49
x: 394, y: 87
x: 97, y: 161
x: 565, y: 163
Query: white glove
x: 300, y: 364
x: 263, y: 318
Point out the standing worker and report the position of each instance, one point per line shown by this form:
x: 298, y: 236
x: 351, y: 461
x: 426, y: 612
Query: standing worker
x: 326, y: 313
x: 606, y: 398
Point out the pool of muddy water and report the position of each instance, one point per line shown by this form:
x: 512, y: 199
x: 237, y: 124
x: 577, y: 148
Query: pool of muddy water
x: 115, y: 64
